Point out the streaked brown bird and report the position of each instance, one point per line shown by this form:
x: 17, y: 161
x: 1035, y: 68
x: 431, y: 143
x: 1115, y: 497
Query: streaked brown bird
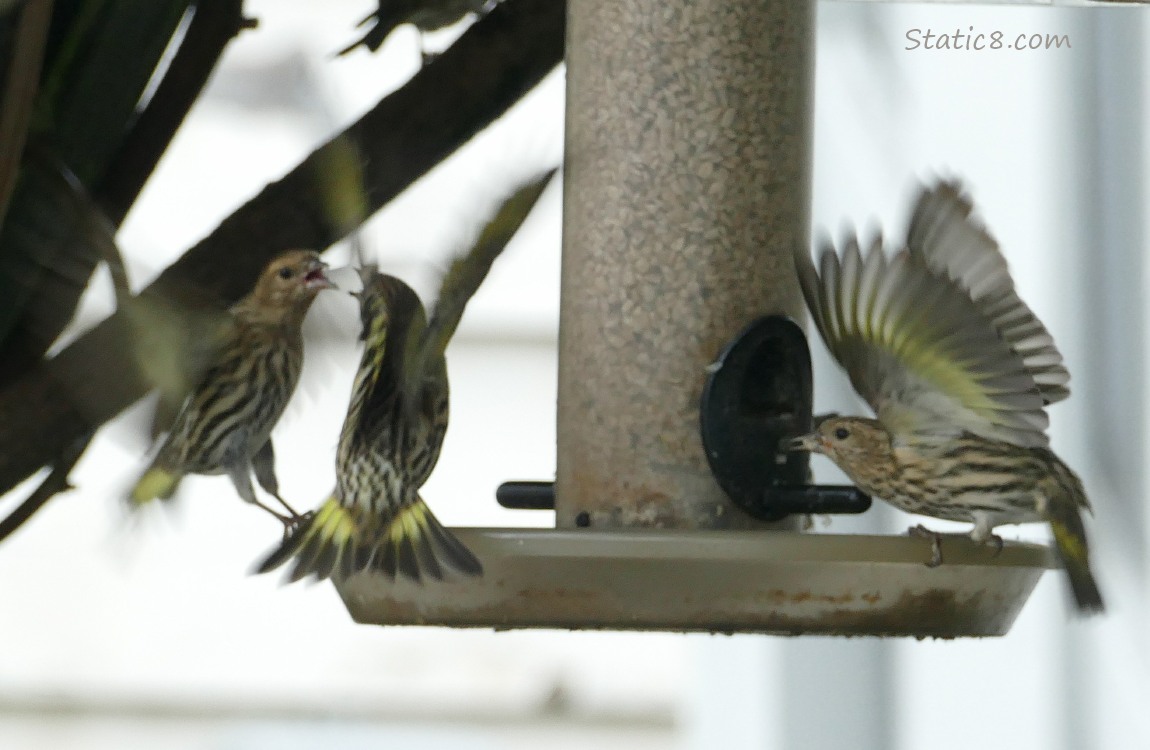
x: 958, y: 371
x: 224, y: 425
x: 390, y: 442
x: 375, y: 518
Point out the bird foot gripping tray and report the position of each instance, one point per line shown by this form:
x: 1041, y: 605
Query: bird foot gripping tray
x: 766, y: 581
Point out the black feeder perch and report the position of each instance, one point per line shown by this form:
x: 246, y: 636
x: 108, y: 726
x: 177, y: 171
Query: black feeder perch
x: 757, y: 396
x: 679, y: 218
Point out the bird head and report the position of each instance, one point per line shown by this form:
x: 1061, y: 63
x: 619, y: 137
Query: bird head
x: 367, y: 272
x: 292, y: 280
x: 848, y: 441
x: 385, y: 302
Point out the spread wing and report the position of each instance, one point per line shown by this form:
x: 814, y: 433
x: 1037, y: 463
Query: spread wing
x: 951, y: 242
x: 918, y: 348
x: 468, y: 271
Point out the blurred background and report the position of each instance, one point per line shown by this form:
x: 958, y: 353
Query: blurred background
x: 116, y: 636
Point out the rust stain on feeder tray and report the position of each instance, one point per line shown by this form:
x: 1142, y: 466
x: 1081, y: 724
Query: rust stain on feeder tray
x: 746, y: 581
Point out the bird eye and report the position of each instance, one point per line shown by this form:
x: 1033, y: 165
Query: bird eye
x: 842, y: 433
x: 285, y: 273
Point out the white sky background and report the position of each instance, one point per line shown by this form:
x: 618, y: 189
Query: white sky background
x: 98, y: 613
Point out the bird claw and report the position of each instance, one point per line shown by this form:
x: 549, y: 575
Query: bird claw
x: 982, y: 534
x: 290, y: 521
x: 292, y: 524
x: 922, y: 532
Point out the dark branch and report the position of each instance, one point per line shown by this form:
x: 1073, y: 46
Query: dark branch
x: 213, y: 25
x: 55, y: 483
x: 86, y: 102
x: 23, y: 77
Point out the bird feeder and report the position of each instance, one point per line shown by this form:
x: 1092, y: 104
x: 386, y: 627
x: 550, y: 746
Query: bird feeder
x: 687, y: 183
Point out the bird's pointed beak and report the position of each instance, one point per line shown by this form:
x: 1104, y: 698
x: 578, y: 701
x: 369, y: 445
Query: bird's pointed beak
x: 808, y: 442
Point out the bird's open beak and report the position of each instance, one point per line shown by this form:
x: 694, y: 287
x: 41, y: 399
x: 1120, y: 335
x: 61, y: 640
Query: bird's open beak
x: 316, y: 278
x: 809, y: 442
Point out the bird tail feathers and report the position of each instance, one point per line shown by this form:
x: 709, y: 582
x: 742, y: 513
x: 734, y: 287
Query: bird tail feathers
x: 416, y: 545
x: 412, y: 543
x: 1070, y: 542
x: 322, y: 542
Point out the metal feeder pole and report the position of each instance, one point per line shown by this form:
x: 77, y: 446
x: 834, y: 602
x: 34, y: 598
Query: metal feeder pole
x: 688, y: 171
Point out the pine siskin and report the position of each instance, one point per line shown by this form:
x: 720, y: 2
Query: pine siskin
x: 425, y: 15
x: 390, y: 442
x: 958, y: 371
x: 223, y: 427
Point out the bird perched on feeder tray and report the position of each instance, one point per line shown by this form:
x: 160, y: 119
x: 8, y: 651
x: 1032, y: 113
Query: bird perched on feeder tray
x: 375, y: 518
x: 254, y: 362
x: 958, y: 371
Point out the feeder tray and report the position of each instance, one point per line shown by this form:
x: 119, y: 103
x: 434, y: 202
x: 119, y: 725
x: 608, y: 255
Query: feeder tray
x: 774, y: 582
